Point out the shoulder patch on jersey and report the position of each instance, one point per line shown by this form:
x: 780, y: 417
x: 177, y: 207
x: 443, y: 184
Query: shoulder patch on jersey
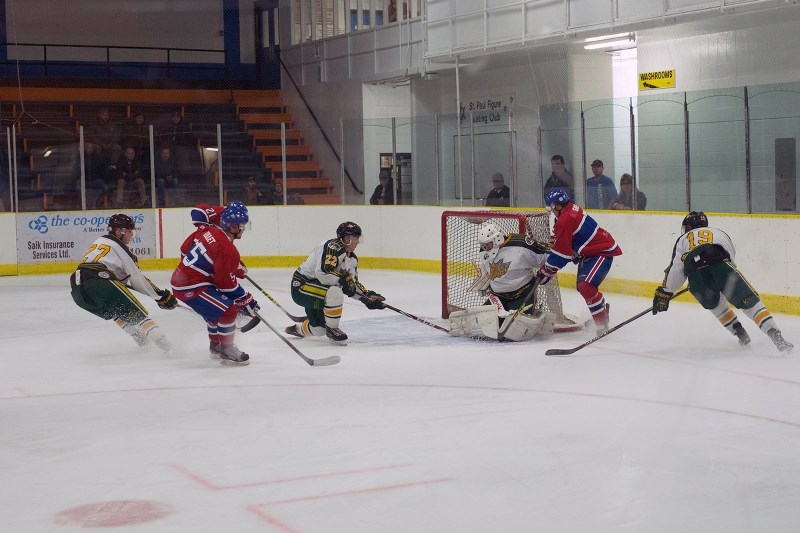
x: 335, y: 245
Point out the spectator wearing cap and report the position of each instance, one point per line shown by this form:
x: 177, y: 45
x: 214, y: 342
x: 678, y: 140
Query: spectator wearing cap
x: 600, y: 189
x: 500, y: 195
x: 384, y: 192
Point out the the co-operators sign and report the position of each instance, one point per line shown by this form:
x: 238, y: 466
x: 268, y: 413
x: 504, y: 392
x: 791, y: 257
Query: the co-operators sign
x: 65, y: 236
x: 660, y: 79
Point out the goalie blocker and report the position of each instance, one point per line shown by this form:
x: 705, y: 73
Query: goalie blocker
x: 484, y: 322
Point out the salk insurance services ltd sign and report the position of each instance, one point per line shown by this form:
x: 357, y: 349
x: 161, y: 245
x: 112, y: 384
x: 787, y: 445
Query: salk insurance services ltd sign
x: 66, y: 236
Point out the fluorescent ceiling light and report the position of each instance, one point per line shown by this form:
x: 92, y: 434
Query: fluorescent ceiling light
x: 606, y: 37
x: 609, y: 44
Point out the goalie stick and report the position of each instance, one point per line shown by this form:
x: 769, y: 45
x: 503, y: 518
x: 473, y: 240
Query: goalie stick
x: 324, y: 361
x: 530, y: 298
x: 560, y: 352
x: 418, y: 319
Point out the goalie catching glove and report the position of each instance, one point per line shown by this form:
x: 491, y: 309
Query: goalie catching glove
x: 373, y: 300
x: 661, y: 300
x: 166, y: 300
x: 247, y: 305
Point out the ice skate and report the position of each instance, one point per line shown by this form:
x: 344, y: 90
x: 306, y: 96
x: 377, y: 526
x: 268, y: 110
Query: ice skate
x: 214, y: 349
x: 741, y: 334
x: 780, y: 343
x: 601, y: 321
x: 293, y: 330
x: 336, y: 335
x: 231, y: 355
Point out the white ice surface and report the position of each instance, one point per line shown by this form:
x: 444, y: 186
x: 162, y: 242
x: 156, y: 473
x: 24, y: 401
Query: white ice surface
x: 663, y: 426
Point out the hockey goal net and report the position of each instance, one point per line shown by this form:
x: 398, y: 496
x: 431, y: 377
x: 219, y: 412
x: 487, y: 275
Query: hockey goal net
x: 460, y: 252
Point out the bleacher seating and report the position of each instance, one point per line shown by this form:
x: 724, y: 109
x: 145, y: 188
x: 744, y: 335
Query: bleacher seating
x: 48, y: 135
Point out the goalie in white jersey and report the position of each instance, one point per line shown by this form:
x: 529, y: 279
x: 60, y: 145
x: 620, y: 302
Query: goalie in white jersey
x: 507, y: 274
x: 705, y: 255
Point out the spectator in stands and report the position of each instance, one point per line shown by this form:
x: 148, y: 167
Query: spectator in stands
x: 105, y: 135
x: 277, y: 195
x: 267, y: 189
x: 560, y: 178
x: 252, y: 193
x: 384, y: 192
x: 600, y: 189
x: 166, y: 172
x: 129, y: 171
x: 136, y: 133
x: 96, y: 174
x: 294, y: 198
x: 627, y: 192
x: 177, y: 136
x: 500, y: 195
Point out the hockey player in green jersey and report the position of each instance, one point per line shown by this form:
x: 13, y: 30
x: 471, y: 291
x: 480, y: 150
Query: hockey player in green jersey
x: 103, y: 281
x: 322, y: 281
x: 705, y: 255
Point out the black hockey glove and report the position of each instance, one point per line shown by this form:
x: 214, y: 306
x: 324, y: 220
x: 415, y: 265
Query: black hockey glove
x: 577, y: 259
x: 348, y: 284
x: 545, y: 274
x: 167, y: 300
x: 373, y: 303
x: 372, y: 295
x: 661, y: 300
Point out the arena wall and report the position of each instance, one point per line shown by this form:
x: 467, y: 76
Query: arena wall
x: 408, y: 238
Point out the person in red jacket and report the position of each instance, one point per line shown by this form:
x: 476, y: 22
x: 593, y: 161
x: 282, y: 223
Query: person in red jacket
x: 579, y: 239
x: 206, y: 281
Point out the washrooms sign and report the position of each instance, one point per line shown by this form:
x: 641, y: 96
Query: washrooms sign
x: 659, y: 79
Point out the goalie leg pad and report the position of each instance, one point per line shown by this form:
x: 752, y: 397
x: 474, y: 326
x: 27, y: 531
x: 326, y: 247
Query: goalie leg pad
x: 475, y: 322
x: 526, y: 327
x: 334, y: 301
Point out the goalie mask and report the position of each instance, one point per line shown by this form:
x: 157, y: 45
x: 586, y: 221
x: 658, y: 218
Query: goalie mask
x: 490, y: 237
x: 695, y: 219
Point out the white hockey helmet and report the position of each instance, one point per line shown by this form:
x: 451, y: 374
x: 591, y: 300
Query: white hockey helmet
x: 490, y: 237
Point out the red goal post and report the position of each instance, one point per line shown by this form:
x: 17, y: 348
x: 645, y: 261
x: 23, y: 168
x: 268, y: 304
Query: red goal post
x: 460, y: 253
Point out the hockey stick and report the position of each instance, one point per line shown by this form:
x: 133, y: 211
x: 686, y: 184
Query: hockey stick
x: 273, y: 300
x: 529, y: 298
x: 418, y: 319
x: 570, y: 351
x: 325, y: 361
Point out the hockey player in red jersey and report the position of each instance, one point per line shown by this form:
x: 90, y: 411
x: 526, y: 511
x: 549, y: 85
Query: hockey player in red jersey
x: 205, y: 280
x: 580, y: 240
x: 204, y: 215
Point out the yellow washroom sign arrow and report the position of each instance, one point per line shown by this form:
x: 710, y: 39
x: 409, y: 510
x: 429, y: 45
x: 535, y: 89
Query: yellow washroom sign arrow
x: 659, y: 79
